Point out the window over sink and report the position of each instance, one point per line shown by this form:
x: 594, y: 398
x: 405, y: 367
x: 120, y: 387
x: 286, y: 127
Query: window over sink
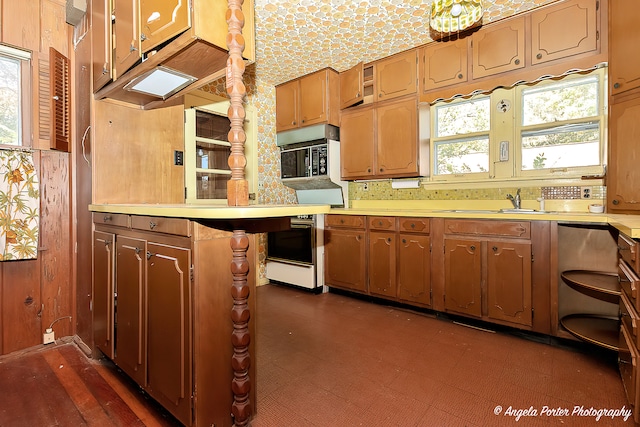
x: 553, y: 128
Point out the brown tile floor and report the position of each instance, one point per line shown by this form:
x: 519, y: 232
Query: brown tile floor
x: 331, y: 360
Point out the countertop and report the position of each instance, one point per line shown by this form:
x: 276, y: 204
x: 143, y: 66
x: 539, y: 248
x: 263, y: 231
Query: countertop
x: 628, y: 224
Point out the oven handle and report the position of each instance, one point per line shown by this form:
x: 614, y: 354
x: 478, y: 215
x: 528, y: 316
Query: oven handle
x: 290, y: 262
x: 301, y: 225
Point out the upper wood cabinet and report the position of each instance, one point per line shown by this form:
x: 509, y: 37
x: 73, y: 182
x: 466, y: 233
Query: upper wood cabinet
x: 396, y: 76
x: 101, y: 52
x: 162, y: 20
x: 379, y: 81
x: 498, y: 48
x: 125, y: 35
x: 566, y: 29
x: 624, y: 39
x: 309, y: 100
x: 189, y: 37
x: 380, y: 140
x: 443, y: 64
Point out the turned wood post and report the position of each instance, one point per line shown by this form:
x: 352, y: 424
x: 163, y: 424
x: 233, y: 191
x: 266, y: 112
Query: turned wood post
x: 238, y: 195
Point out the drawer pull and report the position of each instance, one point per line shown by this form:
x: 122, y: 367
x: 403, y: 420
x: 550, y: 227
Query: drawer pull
x: 107, y: 218
x: 152, y: 225
x: 413, y: 225
x: 626, y: 362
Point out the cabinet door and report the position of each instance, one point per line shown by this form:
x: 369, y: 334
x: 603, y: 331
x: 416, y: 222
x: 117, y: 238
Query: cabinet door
x: 444, y: 64
x: 130, y: 281
x: 287, y: 98
x: 509, y: 282
x: 352, y: 86
x: 126, y: 37
x: 103, y: 292
x: 396, y: 76
x: 169, y: 327
x: 463, y: 276
x: 345, y: 262
x: 397, y: 138
x: 357, y: 143
x: 624, y: 39
x: 563, y: 30
x: 382, y: 263
x: 623, y: 192
x: 101, y: 42
x: 498, y: 48
x: 314, y: 103
x: 162, y: 20
x: 414, y: 268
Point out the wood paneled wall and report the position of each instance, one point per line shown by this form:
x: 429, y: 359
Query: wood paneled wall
x: 34, y: 293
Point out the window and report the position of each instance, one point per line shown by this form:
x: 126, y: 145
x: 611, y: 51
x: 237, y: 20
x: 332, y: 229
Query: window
x: 14, y: 92
x: 554, y: 128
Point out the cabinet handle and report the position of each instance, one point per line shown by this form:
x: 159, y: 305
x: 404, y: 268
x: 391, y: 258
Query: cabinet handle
x: 107, y: 242
x: 472, y: 247
x: 105, y: 68
x: 149, y: 255
x: 152, y: 225
x: 539, y: 56
x: 107, y: 218
x: 495, y: 249
x: 137, y: 250
x: 132, y: 48
x: 623, y: 361
x: 358, y: 238
x: 517, y: 61
x: 616, y: 85
x: 142, y: 37
x: 615, y: 201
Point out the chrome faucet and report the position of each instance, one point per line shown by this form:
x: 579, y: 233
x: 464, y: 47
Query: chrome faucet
x: 515, y: 200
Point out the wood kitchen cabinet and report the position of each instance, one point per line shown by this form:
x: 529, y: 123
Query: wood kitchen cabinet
x: 624, y: 39
x: 382, y: 256
x: 188, y: 37
x: 308, y: 100
x: 168, y: 289
x: 498, y: 48
x: 623, y: 173
x: 380, y: 141
x: 392, y: 77
x: 345, y: 249
x: 414, y: 261
x: 563, y: 30
x: 496, y: 281
x: 443, y: 64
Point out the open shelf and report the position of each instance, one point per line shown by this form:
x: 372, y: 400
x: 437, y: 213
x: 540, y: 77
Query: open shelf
x: 603, y: 331
x: 596, y: 284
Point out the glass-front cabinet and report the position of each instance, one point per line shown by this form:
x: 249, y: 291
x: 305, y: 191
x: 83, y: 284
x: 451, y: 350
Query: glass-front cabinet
x: 207, y: 150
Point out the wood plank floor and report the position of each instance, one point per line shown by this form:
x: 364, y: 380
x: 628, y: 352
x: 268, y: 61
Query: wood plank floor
x: 58, y: 385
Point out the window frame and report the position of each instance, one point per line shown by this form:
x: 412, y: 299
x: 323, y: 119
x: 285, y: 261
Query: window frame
x: 24, y: 58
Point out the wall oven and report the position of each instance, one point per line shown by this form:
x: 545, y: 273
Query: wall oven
x: 295, y: 256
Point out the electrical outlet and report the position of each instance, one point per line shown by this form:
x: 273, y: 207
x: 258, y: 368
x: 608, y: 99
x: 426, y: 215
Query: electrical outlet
x: 48, y: 337
x: 586, y: 192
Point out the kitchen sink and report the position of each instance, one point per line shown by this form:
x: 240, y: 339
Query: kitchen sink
x: 493, y: 211
x: 514, y: 210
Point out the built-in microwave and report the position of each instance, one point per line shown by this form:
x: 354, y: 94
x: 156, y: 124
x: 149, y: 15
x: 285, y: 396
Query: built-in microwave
x: 305, y: 160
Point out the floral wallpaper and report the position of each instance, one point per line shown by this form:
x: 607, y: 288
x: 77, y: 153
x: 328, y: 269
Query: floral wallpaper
x: 19, y: 206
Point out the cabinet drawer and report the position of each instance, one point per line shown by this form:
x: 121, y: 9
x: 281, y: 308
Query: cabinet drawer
x: 349, y: 221
x: 120, y: 220
x: 179, y: 226
x: 629, y: 317
x: 417, y: 225
x: 628, y: 250
x: 629, y: 283
x: 382, y: 223
x: 520, y: 229
x: 628, y: 364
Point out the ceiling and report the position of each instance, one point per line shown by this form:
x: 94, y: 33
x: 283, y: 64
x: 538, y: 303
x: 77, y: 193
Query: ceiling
x: 294, y: 38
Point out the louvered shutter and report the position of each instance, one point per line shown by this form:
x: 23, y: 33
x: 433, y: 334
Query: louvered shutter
x: 60, y: 90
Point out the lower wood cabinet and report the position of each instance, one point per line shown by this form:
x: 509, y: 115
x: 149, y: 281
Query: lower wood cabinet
x: 488, y: 270
x: 345, y: 252
x: 162, y: 311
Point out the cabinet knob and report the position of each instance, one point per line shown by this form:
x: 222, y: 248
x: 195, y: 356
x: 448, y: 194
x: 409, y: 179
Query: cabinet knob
x: 380, y: 223
x: 379, y: 95
x: 472, y: 247
x: 381, y: 170
x: 539, y: 56
x: 495, y: 249
x: 293, y: 122
x: 517, y: 62
x: 389, y: 239
x: 404, y: 240
x: 132, y: 48
x: 149, y: 255
x: 107, y: 218
x: 358, y: 95
x: 137, y: 250
x: 368, y: 169
x: 152, y: 225
x: 413, y: 225
x: 107, y: 242
x: 615, y: 201
x: 460, y: 75
x: 105, y: 68
x: 302, y: 120
x: 616, y: 85
x: 342, y: 221
x: 143, y: 37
